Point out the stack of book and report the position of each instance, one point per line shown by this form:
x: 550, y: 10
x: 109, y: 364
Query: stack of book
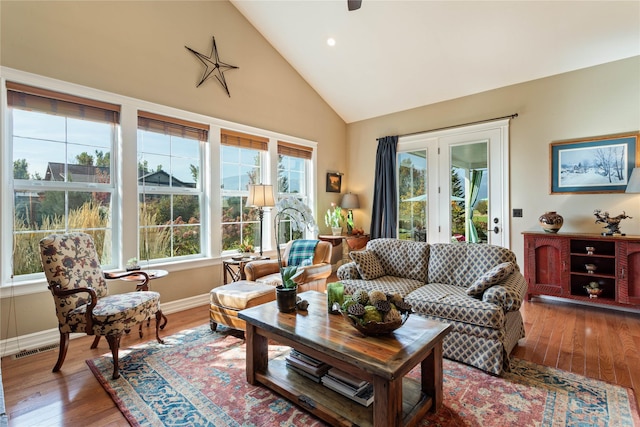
x: 355, y: 389
x: 306, y: 365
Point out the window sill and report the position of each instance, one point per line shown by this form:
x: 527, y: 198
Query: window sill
x: 36, y: 286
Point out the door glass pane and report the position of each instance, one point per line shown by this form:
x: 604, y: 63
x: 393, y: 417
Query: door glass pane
x: 469, y: 192
x: 412, y: 191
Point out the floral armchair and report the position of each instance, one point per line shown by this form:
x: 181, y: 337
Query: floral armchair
x: 80, y: 293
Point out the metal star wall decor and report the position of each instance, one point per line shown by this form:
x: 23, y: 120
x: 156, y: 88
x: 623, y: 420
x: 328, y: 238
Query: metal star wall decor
x: 213, y: 64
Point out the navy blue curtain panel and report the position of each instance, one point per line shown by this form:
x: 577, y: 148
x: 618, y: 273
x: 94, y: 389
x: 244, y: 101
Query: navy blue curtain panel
x: 384, y: 214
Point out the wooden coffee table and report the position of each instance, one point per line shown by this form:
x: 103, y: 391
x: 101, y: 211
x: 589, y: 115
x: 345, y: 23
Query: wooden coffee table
x: 384, y: 361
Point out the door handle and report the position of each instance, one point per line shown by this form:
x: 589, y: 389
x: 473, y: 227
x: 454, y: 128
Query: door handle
x: 496, y: 229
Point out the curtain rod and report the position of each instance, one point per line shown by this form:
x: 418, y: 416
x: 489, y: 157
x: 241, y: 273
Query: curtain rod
x: 510, y: 116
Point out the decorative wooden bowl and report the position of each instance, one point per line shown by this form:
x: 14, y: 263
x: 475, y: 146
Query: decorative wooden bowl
x: 377, y: 328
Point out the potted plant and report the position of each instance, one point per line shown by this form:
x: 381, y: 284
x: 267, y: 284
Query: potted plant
x: 132, y: 264
x: 593, y: 289
x: 300, y: 217
x: 245, y: 247
x: 334, y: 219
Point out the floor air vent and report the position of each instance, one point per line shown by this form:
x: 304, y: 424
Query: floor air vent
x: 26, y: 353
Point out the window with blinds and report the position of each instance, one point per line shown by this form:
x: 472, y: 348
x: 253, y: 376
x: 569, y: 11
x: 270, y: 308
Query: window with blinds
x: 170, y: 189
x: 293, y: 168
x: 63, y: 172
x: 241, y: 163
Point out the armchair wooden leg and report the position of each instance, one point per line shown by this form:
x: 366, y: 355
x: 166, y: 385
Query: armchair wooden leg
x: 159, y: 316
x: 114, y: 345
x: 95, y: 341
x: 164, y: 321
x: 64, y: 344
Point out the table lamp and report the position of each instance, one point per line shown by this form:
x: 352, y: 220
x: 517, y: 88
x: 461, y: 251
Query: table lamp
x: 260, y: 196
x: 350, y: 201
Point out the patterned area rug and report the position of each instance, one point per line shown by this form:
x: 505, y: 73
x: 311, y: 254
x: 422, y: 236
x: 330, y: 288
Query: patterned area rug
x: 197, y: 378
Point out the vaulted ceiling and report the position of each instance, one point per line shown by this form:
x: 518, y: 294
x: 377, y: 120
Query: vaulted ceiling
x: 393, y: 55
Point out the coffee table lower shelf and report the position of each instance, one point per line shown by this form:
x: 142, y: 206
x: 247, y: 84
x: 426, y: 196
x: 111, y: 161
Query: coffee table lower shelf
x: 333, y: 407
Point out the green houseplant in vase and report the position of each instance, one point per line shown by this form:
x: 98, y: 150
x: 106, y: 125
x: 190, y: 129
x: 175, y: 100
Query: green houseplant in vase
x: 334, y: 219
x: 300, y: 217
x: 246, y: 248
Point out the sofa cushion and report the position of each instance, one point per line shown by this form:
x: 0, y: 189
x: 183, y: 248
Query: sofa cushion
x: 496, y: 275
x: 452, y: 302
x: 461, y: 264
x: 402, y: 258
x: 367, y: 264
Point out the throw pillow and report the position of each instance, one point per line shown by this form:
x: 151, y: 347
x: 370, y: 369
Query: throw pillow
x: 367, y: 264
x: 490, y: 278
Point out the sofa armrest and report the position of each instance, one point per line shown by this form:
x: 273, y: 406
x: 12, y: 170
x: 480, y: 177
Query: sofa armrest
x: 348, y: 272
x: 256, y: 269
x: 310, y: 273
x: 508, y: 294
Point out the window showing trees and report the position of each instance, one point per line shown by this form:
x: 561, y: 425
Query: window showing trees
x: 66, y: 156
x: 241, y: 160
x: 60, y: 149
x: 169, y: 187
x: 293, y: 167
x: 412, y: 191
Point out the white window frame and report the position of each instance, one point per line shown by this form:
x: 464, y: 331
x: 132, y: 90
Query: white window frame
x: 125, y: 203
x: 177, y: 191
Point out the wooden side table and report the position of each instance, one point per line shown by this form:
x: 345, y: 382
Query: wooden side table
x: 153, y: 274
x: 353, y: 243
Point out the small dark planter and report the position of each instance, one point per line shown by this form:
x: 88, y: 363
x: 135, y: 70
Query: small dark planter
x: 286, y: 299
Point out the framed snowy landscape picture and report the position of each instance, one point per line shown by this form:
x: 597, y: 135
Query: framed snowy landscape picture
x: 593, y: 165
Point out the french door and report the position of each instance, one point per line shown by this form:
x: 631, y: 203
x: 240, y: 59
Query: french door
x: 453, y: 185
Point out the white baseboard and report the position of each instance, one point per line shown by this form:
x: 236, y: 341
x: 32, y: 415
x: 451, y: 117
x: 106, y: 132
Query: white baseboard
x: 40, y: 339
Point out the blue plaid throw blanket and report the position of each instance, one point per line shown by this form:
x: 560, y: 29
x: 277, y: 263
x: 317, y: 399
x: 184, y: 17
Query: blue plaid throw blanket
x: 301, y: 252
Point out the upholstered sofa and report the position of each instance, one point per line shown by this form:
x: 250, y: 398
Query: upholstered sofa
x: 477, y: 288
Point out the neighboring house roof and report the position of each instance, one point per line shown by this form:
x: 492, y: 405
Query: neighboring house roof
x: 83, y: 173
x: 77, y: 173
x: 162, y: 178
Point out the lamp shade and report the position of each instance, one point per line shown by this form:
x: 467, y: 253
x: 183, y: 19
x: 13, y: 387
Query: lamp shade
x: 260, y: 195
x: 633, y: 186
x: 350, y: 201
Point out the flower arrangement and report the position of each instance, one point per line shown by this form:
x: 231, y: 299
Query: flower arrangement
x: 301, y: 217
x: 335, y: 218
x: 245, y: 246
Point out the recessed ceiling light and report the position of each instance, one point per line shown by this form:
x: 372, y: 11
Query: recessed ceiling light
x: 331, y: 41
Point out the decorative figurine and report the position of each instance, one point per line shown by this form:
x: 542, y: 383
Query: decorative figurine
x: 613, y: 223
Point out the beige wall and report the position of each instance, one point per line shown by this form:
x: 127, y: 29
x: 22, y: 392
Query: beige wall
x: 137, y: 49
x: 595, y: 101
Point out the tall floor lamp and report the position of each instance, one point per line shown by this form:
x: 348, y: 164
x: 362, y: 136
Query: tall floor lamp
x: 260, y: 196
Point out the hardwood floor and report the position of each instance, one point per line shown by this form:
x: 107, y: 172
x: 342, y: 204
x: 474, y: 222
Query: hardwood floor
x: 594, y: 342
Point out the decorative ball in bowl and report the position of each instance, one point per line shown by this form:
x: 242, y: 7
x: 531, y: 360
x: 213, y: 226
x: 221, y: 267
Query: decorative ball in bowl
x: 375, y: 313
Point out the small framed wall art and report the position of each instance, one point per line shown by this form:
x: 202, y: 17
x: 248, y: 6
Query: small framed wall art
x: 600, y: 164
x: 334, y: 182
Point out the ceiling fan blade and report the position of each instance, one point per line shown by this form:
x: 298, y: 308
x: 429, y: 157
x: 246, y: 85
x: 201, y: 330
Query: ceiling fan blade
x: 354, y: 4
